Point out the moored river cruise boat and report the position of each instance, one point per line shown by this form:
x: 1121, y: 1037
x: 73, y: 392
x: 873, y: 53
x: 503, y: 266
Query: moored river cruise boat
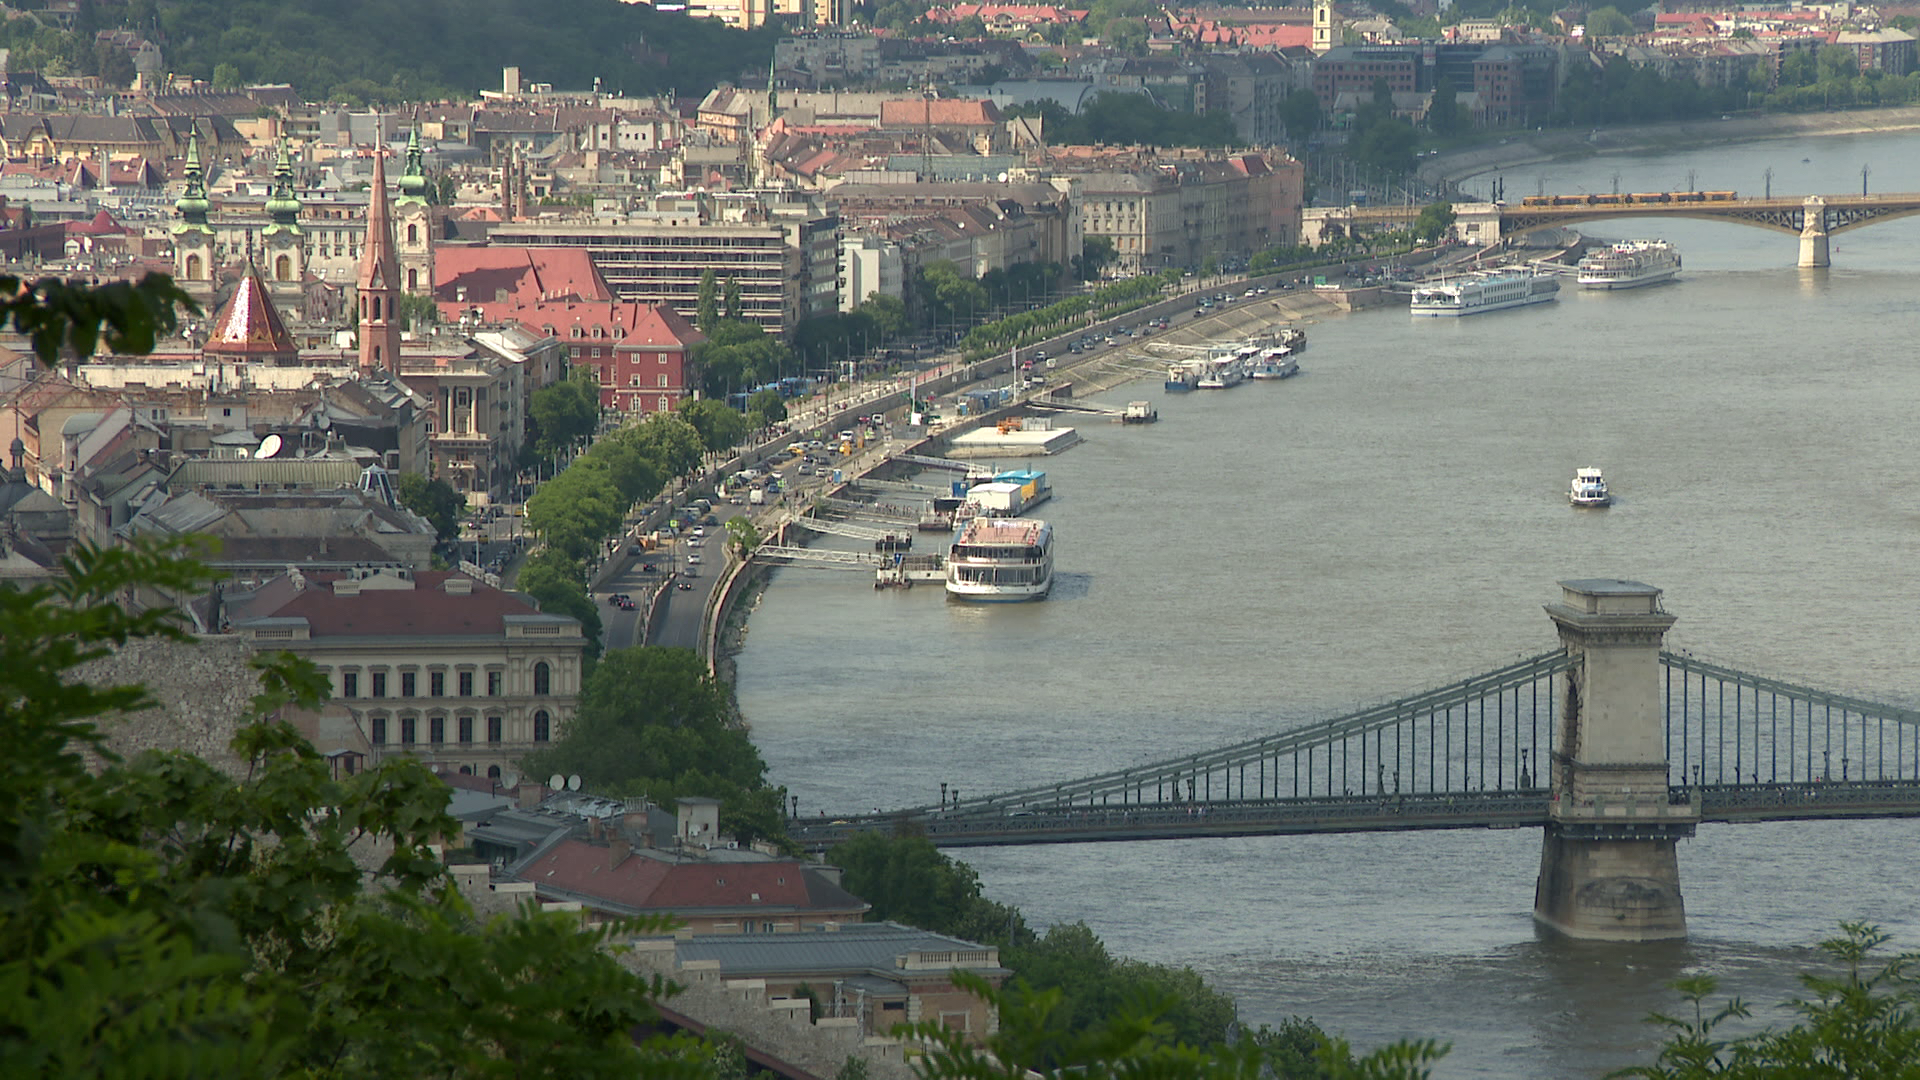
x: 1491, y: 290
x: 1001, y: 560
x: 1628, y: 265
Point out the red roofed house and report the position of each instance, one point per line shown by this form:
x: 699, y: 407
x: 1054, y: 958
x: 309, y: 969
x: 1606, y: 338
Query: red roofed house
x: 709, y: 885
x: 432, y: 664
x: 639, y: 351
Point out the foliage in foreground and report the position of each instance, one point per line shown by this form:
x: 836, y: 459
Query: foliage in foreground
x: 161, y: 918
x: 1863, y: 1022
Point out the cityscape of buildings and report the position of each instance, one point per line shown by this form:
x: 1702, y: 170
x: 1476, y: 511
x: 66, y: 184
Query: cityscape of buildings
x: 384, y: 292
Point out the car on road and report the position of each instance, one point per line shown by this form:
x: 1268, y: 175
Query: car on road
x: 699, y: 532
x: 647, y: 568
x: 626, y: 605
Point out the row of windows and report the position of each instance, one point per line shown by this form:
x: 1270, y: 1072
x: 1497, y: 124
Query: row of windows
x: 409, y: 729
x: 437, y: 683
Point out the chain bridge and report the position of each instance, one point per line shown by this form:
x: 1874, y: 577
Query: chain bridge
x: 1612, y: 745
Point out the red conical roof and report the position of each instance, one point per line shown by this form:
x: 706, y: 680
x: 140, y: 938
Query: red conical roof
x: 248, y: 325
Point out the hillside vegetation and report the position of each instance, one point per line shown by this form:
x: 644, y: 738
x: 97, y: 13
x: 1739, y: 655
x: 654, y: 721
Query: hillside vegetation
x: 382, y: 51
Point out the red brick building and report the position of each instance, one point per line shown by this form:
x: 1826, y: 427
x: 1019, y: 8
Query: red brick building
x: 639, y: 351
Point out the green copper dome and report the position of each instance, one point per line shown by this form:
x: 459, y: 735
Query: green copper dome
x: 192, y: 204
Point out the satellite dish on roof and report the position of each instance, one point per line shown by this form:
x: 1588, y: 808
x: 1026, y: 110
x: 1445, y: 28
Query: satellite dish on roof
x: 269, y: 446
x: 573, y: 782
x: 1003, y: 178
x: 555, y: 781
x: 510, y: 778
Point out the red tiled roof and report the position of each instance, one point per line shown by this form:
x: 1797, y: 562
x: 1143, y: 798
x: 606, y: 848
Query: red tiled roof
x: 426, y: 610
x: 248, y: 324
x: 527, y: 275
x: 581, y: 868
x: 946, y: 112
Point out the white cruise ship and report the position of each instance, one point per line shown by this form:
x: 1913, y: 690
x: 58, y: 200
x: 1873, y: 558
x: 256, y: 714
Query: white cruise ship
x: 1001, y: 559
x: 1489, y: 291
x: 1629, y: 265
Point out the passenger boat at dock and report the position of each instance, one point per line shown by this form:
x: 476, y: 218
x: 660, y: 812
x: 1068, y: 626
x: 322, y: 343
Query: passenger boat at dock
x: 1628, y: 265
x: 1589, y: 489
x: 1490, y: 290
x: 1000, y: 560
x: 1181, y: 378
x: 1222, y: 371
x: 1275, y: 362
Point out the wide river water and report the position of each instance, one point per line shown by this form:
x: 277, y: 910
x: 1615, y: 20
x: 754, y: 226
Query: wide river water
x: 1389, y: 520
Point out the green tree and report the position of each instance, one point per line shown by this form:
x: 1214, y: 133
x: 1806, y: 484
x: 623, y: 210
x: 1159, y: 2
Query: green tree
x: 418, y: 310
x: 226, y: 77
x: 1128, y: 35
x: 668, y: 441
x: 1608, y: 22
x: 706, y: 312
x: 1096, y: 254
x: 1443, y: 115
x: 742, y: 536
x: 887, y: 314
x: 1857, y: 1023
x: 655, y: 722
x: 566, y: 412
x: 434, y: 500
x: 730, y: 292
x: 766, y: 408
x: 559, y: 586
x: 1434, y: 221
x: 1301, y: 113
x: 719, y: 426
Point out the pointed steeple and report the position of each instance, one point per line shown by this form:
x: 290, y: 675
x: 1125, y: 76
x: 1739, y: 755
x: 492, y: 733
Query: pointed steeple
x: 248, y: 327
x: 192, y: 205
x: 413, y: 179
x: 283, y: 205
x: 773, y: 93
x: 379, y: 282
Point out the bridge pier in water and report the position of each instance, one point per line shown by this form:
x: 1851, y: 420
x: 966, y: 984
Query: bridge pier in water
x: 1608, y: 868
x: 1813, y: 236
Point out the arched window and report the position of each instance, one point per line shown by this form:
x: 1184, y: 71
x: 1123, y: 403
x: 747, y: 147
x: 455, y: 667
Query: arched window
x: 413, y: 279
x: 376, y: 309
x: 493, y: 772
x: 542, y: 726
x: 466, y: 770
x: 542, y: 679
x: 413, y: 234
x: 283, y: 268
x: 193, y: 268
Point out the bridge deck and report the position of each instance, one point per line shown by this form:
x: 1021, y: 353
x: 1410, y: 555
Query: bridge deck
x: 1718, y: 804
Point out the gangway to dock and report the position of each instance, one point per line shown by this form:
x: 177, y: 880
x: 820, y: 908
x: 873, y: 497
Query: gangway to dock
x: 901, y: 487
x: 948, y: 464
x: 856, y: 532
x: 883, y: 511
x: 1076, y: 406
x: 831, y: 560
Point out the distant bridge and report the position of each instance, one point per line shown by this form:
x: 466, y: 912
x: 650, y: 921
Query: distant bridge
x: 1610, y: 744
x: 1813, y: 218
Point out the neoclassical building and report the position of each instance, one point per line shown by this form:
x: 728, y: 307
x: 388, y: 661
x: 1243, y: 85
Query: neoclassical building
x: 431, y: 664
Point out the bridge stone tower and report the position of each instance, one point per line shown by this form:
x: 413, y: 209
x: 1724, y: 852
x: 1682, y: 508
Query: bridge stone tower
x: 1813, y: 235
x: 1608, y: 869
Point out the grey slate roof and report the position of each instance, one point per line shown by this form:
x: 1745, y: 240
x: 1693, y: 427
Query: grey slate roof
x: 868, y: 947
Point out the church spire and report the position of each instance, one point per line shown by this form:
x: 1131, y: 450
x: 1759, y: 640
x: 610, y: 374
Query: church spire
x: 773, y: 94
x: 192, y: 204
x: 283, y: 205
x: 413, y: 178
x: 379, y: 282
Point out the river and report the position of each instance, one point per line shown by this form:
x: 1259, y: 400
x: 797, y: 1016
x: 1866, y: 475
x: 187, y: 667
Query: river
x: 1394, y: 518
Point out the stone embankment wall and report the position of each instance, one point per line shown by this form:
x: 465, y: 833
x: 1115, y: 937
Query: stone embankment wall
x: 202, y: 692
x: 778, y: 1027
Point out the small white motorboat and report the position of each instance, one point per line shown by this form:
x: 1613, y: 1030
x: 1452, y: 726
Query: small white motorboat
x: 1589, y: 489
